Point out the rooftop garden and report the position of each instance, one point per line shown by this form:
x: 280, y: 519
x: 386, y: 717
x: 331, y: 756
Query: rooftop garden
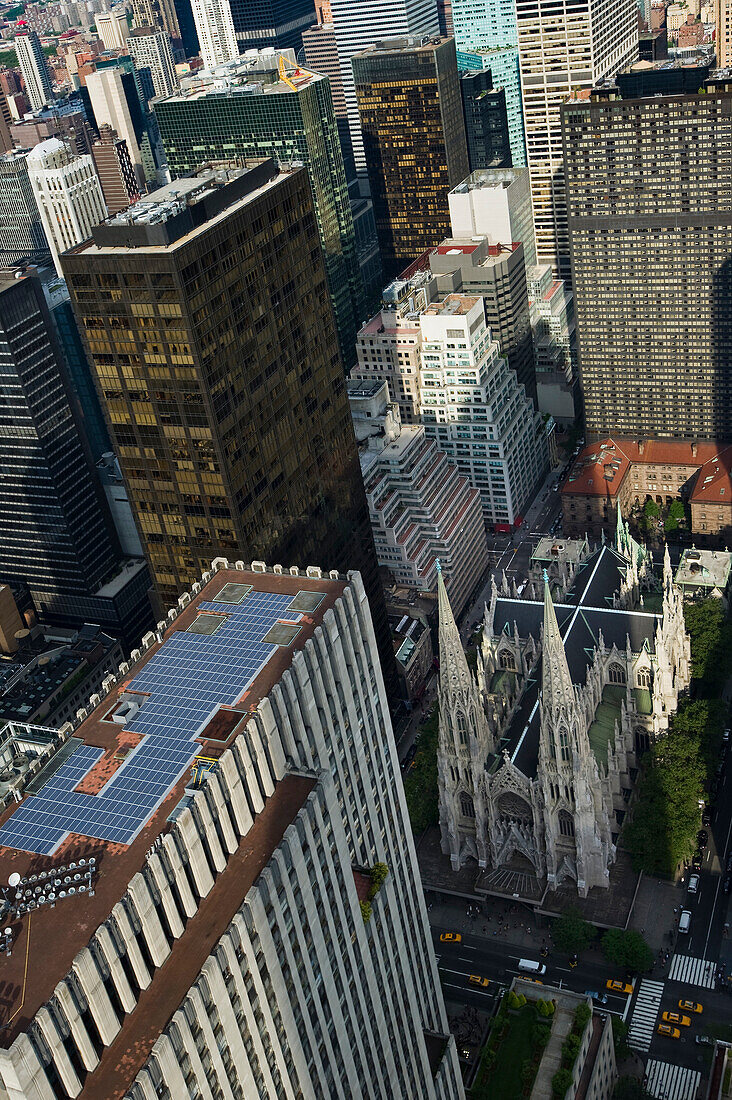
x: 510, y: 1060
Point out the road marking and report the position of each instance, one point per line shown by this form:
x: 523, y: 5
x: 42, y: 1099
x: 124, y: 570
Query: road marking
x: 693, y: 971
x: 666, y: 1081
x: 645, y: 1012
x: 468, y: 988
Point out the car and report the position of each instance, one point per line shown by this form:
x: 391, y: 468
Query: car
x: 601, y: 998
x: 727, y: 883
x: 693, y: 886
x: 685, y: 922
x: 475, y: 979
x: 668, y: 1031
x: 702, y: 839
x: 704, y: 1040
x: 450, y: 937
x: 691, y: 1006
x: 706, y: 817
x: 618, y: 987
x: 726, y: 736
x: 696, y: 861
x: 676, y: 1018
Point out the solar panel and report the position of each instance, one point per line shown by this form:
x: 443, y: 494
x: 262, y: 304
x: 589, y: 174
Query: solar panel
x: 181, y: 687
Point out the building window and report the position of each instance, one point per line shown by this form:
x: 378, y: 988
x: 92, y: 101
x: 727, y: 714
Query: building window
x: 566, y: 823
x: 467, y: 808
x: 507, y: 660
x: 616, y: 673
x: 644, y: 677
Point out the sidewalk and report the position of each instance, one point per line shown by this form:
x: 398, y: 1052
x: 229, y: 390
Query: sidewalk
x: 655, y: 912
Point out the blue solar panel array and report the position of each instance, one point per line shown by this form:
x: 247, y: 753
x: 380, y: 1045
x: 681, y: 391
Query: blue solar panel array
x: 187, y: 680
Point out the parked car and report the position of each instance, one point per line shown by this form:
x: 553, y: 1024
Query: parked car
x: 726, y: 737
x: 685, y: 921
x: 706, y: 818
x: 668, y: 1031
x: 693, y: 886
x: 601, y: 998
x: 704, y: 1040
x: 702, y: 839
x: 691, y: 1006
x: 696, y: 861
x: 728, y: 868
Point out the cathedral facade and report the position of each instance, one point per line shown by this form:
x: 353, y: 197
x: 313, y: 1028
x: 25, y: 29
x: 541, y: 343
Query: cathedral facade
x: 539, y: 749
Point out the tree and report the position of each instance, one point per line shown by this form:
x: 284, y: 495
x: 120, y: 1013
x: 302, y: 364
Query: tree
x: 571, y: 933
x: 711, y: 637
x: 561, y: 1081
x: 420, y: 785
x: 651, y: 509
x: 627, y: 950
x: 620, y: 1038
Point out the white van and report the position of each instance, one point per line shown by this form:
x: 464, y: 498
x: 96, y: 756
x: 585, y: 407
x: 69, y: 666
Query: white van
x: 531, y: 967
x: 685, y: 920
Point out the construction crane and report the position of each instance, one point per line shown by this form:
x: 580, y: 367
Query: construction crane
x: 284, y: 76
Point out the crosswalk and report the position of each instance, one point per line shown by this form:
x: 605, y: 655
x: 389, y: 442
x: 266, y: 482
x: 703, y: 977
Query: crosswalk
x: 645, y: 1011
x: 694, y: 971
x: 668, y: 1082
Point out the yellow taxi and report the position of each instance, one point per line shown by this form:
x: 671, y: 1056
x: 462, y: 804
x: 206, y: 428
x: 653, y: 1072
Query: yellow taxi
x: 676, y: 1018
x: 619, y: 987
x: 475, y: 979
x: 451, y: 937
x: 669, y: 1032
x: 691, y: 1006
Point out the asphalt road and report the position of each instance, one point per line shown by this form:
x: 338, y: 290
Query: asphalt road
x: 498, y: 961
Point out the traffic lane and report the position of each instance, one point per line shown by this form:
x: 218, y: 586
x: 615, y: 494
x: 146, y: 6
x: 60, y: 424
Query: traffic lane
x: 499, y: 963
x: 684, y: 1051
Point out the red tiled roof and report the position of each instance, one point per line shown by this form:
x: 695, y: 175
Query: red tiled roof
x: 714, y: 480
x: 600, y: 468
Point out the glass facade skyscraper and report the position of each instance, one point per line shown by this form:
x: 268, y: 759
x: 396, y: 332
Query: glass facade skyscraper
x: 503, y: 62
x: 278, y: 23
x: 252, y: 113
x: 213, y: 338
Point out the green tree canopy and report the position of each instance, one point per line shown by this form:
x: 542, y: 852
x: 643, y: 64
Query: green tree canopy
x: 420, y: 785
x: 571, y: 933
x: 627, y: 950
x: 651, y: 509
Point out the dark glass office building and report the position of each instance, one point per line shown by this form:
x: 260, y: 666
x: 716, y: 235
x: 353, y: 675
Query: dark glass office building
x: 414, y: 139
x: 486, y: 121
x: 56, y: 534
x: 207, y: 316
x: 252, y: 113
x: 277, y: 23
x: 649, y: 196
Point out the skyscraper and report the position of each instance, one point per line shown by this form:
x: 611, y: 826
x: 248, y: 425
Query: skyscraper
x: 650, y: 210
x: 68, y: 195
x: 56, y: 535
x: 114, y: 168
x: 250, y: 111
x: 604, y: 38
x: 486, y: 121
x: 276, y: 23
x: 723, y: 38
x: 115, y: 97
x: 22, y: 237
x: 321, y: 56
x: 233, y: 430
x: 227, y: 947
x: 150, y: 48
x: 173, y: 16
x: 34, y: 68
x: 358, y: 24
x: 113, y: 28
x: 414, y: 140
x: 215, y: 30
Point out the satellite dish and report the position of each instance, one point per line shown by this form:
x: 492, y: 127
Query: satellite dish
x: 14, y: 879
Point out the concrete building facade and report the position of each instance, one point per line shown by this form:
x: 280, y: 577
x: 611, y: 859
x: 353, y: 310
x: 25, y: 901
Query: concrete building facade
x: 68, y: 195
x: 113, y: 28
x: 34, y: 67
x: 225, y: 948
x: 150, y: 47
x: 22, y: 236
x: 422, y: 511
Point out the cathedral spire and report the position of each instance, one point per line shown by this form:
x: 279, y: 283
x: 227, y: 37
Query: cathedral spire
x: 454, y: 671
x: 557, y: 686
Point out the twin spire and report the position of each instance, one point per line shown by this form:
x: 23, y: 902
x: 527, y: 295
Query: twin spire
x: 454, y: 670
x: 556, y: 682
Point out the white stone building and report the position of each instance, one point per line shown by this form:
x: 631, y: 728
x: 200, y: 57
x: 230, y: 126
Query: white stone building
x: 215, y: 29
x: 473, y: 406
x: 150, y: 47
x: 34, y: 67
x: 538, y: 752
x: 199, y: 932
x: 422, y: 511
x: 113, y: 28
x: 68, y: 195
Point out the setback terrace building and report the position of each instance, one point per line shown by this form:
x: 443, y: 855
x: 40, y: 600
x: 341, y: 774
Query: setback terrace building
x: 187, y: 872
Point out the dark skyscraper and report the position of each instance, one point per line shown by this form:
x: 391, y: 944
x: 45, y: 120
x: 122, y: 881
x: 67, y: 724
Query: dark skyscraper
x: 486, y: 121
x: 277, y: 23
x: 207, y: 315
x: 414, y: 140
x: 650, y: 220
x: 56, y: 535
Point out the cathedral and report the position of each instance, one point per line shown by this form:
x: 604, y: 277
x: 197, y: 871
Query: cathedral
x: 539, y: 747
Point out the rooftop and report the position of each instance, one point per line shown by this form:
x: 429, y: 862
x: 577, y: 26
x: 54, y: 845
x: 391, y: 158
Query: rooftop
x: 128, y: 764
x: 599, y: 468
x: 704, y: 568
x: 548, y: 549
x: 256, y: 72
x: 454, y: 305
x: 412, y: 44
x: 173, y: 214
